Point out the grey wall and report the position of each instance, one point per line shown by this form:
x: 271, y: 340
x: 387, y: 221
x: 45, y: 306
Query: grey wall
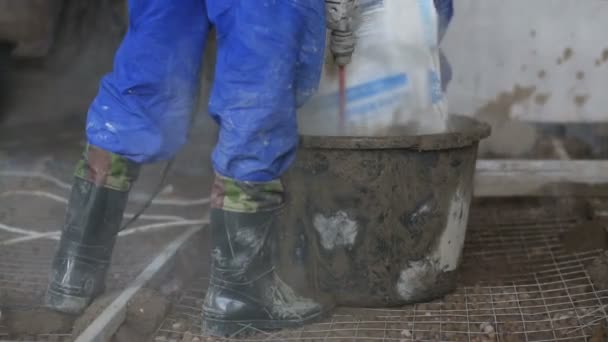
x: 535, y: 60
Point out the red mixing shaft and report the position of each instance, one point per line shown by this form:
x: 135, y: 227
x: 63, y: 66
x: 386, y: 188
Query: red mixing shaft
x: 342, y: 75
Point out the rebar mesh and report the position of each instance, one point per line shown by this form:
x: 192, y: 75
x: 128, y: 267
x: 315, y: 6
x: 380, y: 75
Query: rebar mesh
x: 32, y: 206
x: 517, y: 283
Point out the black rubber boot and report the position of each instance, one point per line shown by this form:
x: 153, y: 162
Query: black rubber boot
x: 245, y: 290
x: 93, y: 219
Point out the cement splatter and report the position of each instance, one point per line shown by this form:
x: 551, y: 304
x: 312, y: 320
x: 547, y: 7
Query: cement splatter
x: 568, y: 53
x: 581, y: 100
x: 499, y: 109
x: 497, y: 113
x: 580, y: 75
x: 541, y: 99
x: 336, y: 231
x: 542, y: 74
x: 286, y: 304
x: 450, y: 246
x: 249, y: 236
x: 420, y: 275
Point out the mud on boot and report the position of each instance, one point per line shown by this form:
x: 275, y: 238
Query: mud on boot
x: 245, y: 290
x: 93, y: 218
x: 276, y: 307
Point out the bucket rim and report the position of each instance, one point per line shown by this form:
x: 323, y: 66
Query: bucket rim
x: 462, y: 131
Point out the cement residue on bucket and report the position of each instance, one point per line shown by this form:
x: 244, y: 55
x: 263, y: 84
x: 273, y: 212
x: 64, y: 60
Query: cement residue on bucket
x: 452, y: 239
x: 380, y: 220
x: 419, y: 276
x: 337, y: 230
x: 423, y: 274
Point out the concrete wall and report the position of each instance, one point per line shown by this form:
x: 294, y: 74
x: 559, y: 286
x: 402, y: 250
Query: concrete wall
x: 535, y: 60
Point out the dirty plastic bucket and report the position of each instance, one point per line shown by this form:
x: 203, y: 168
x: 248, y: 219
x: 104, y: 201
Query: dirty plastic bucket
x: 379, y: 221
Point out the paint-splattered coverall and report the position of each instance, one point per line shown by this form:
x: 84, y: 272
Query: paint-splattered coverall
x: 269, y: 59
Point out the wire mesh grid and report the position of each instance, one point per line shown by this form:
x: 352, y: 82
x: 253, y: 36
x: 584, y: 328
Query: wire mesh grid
x: 31, y: 214
x: 24, y: 271
x: 25, y: 257
x: 517, y: 284
x: 35, y: 176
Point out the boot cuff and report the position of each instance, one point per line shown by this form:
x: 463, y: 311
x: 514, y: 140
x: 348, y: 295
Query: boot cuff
x: 246, y: 197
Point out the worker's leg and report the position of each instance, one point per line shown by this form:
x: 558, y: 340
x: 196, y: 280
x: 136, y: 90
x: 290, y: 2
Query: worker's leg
x: 141, y: 114
x: 94, y: 214
x: 269, y: 60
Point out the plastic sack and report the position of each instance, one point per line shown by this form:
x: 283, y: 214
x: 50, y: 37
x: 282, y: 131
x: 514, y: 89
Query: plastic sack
x: 394, y: 80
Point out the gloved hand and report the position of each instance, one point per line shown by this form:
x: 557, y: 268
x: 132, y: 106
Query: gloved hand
x: 342, y: 17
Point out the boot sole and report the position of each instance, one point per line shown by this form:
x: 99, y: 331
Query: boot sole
x: 65, y: 303
x: 217, y: 327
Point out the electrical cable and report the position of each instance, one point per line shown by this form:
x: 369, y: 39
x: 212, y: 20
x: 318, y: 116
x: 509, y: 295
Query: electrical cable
x: 153, y: 196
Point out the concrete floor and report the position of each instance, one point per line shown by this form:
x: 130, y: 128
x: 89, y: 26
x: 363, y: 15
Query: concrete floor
x: 518, y: 282
x: 36, y: 165
x: 517, y: 276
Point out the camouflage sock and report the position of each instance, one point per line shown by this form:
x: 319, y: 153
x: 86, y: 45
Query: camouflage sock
x: 246, y: 197
x: 106, y: 169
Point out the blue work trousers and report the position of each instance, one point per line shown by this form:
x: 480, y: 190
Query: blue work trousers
x: 269, y: 61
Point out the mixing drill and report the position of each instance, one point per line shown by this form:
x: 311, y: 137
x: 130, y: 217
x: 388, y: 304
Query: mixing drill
x: 341, y: 20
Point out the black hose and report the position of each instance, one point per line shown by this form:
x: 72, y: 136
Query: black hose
x: 5, y: 64
x: 146, y: 205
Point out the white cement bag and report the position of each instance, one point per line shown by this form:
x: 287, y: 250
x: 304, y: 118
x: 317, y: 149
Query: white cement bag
x: 393, y: 82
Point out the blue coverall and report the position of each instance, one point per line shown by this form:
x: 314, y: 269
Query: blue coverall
x: 270, y: 55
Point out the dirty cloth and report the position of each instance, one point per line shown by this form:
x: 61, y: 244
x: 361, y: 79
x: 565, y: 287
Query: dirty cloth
x: 269, y: 61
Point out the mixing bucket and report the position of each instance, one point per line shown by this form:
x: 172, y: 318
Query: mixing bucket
x: 379, y: 221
